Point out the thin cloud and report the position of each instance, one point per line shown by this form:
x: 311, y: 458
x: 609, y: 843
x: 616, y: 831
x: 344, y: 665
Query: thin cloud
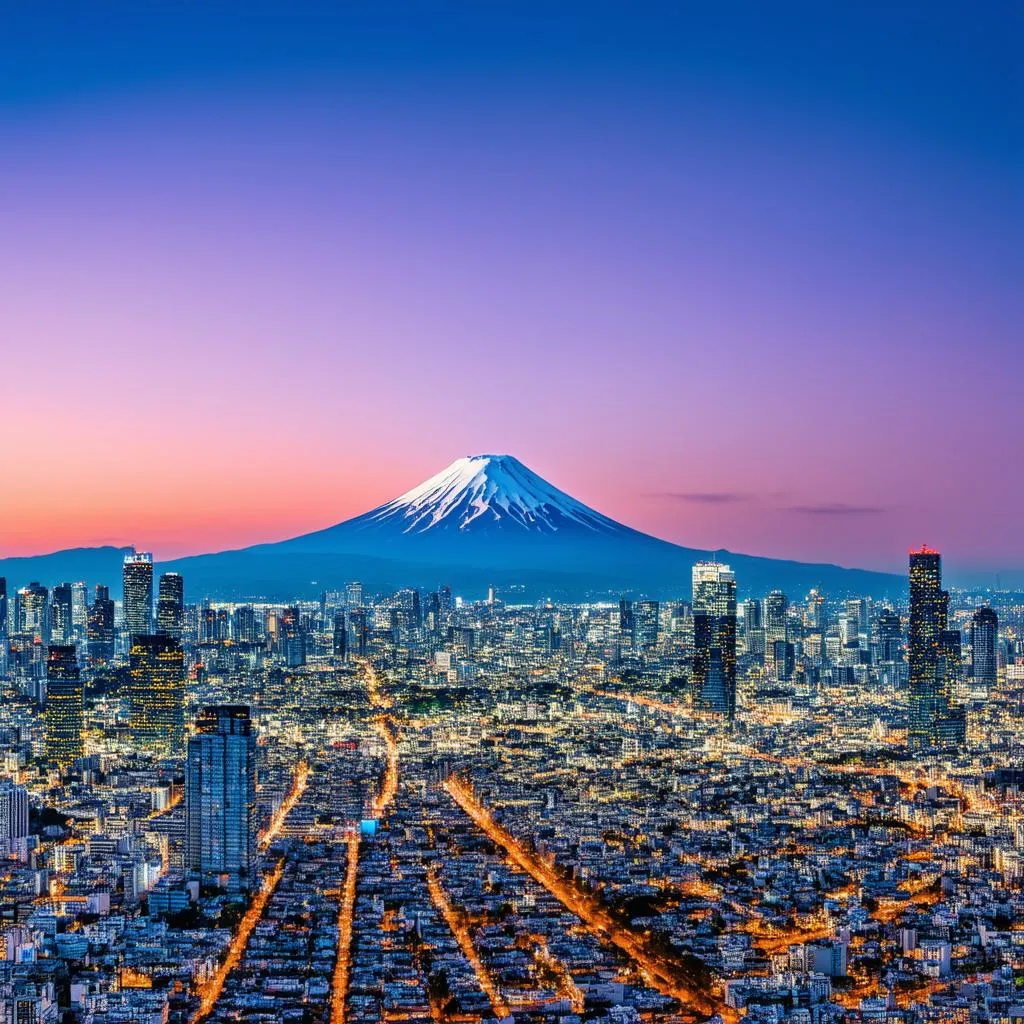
x: 837, y: 508
x: 703, y: 497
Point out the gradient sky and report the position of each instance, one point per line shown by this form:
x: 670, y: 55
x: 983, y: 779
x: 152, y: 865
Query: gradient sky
x: 741, y: 275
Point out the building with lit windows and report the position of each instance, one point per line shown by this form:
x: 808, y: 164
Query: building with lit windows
x: 713, y: 680
x: 170, y: 605
x: 157, y: 665
x: 220, y: 798
x: 63, y: 716
x: 138, y: 593
x: 984, y: 650
x: 933, y: 659
x: 100, y: 628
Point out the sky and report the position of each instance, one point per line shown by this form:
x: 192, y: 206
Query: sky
x: 741, y: 275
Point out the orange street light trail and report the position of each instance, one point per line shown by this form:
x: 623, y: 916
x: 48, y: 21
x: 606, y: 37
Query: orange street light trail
x: 662, y: 974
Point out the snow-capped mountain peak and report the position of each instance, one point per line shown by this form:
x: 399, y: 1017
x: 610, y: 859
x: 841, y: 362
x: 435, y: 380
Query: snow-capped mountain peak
x: 489, y: 492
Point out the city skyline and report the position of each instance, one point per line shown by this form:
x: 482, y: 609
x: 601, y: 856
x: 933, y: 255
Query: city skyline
x: 742, y: 285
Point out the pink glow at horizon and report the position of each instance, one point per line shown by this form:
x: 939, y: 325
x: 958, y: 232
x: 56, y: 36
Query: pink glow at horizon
x: 229, y: 323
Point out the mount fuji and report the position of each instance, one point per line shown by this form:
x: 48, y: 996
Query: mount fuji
x: 488, y: 519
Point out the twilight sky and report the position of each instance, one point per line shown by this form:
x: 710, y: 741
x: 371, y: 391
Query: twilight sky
x: 740, y: 275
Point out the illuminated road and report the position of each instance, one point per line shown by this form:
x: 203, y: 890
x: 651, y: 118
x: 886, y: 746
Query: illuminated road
x: 210, y: 991
x: 389, y: 783
x: 346, y: 908
x: 669, y: 978
x: 374, y: 690
x: 299, y: 784
x: 465, y: 941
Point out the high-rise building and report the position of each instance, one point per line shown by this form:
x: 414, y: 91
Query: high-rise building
x: 13, y: 812
x: 62, y: 629
x: 4, y: 625
x: 100, y: 629
x: 138, y: 593
x: 713, y: 683
x: 645, y: 626
x: 220, y: 798
x: 934, y: 721
x: 243, y: 625
x: 984, y: 649
x: 63, y: 717
x: 627, y: 623
x: 340, y: 638
x: 79, y: 609
x: 776, y: 617
x: 354, y: 595
x: 157, y: 693
x: 889, y: 636
x: 30, y: 612
x: 170, y: 605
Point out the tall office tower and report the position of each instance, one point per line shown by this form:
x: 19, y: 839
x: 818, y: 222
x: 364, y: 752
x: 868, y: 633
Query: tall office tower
x: 157, y: 665
x: 753, y: 627
x: 984, y: 646
x: 752, y: 617
x: 220, y: 798
x: 776, y: 617
x: 354, y: 595
x: 293, y: 638
x: 62, y: 630
x: 170, y: 605
x: 357, y: 632
x: 817, y: 617
x: 243, y: 626
x: 714, y: 638
x: 30, y: 612
x: 13, y: 812
x: 645, y: 626
x: 63, y: 717
x: 79, y: 608
x: 4, y: 624
x: 627, y: 623
x: 100, y: 629
x: 934, y: 722
x: 138, y: 593
x: 340, y: 638
x: 889, y: 636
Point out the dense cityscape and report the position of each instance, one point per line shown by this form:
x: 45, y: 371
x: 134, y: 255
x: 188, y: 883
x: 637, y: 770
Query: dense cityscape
x: 422, y: 806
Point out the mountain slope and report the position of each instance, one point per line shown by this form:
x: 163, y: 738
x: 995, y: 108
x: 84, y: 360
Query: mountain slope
x: 488, y: 519
x: 485, y: 519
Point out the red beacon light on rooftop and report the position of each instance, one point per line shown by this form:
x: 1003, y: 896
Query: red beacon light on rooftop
x: 923, y: 550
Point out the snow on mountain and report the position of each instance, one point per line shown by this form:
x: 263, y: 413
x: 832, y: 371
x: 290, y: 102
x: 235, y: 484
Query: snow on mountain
x: 487, y: 492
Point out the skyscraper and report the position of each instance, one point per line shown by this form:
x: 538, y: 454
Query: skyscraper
x: 63, y: 717
x: 4, y: 626
x: 933, y: 722
x: 170, y: 605
x: 645, y: 626
x: 100, y: 630
x: 340, y: 638
x: 138, y: 593
x: 984, y: 644
x: 776, y: 617
x: 61, y: 624
x: 157, y: 665
x: 713, y: 683
x: 220, y: 798
x: 30, y: 612
x: 14, y: 818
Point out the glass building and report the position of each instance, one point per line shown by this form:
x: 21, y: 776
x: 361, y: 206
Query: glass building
x: 220, y: 798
